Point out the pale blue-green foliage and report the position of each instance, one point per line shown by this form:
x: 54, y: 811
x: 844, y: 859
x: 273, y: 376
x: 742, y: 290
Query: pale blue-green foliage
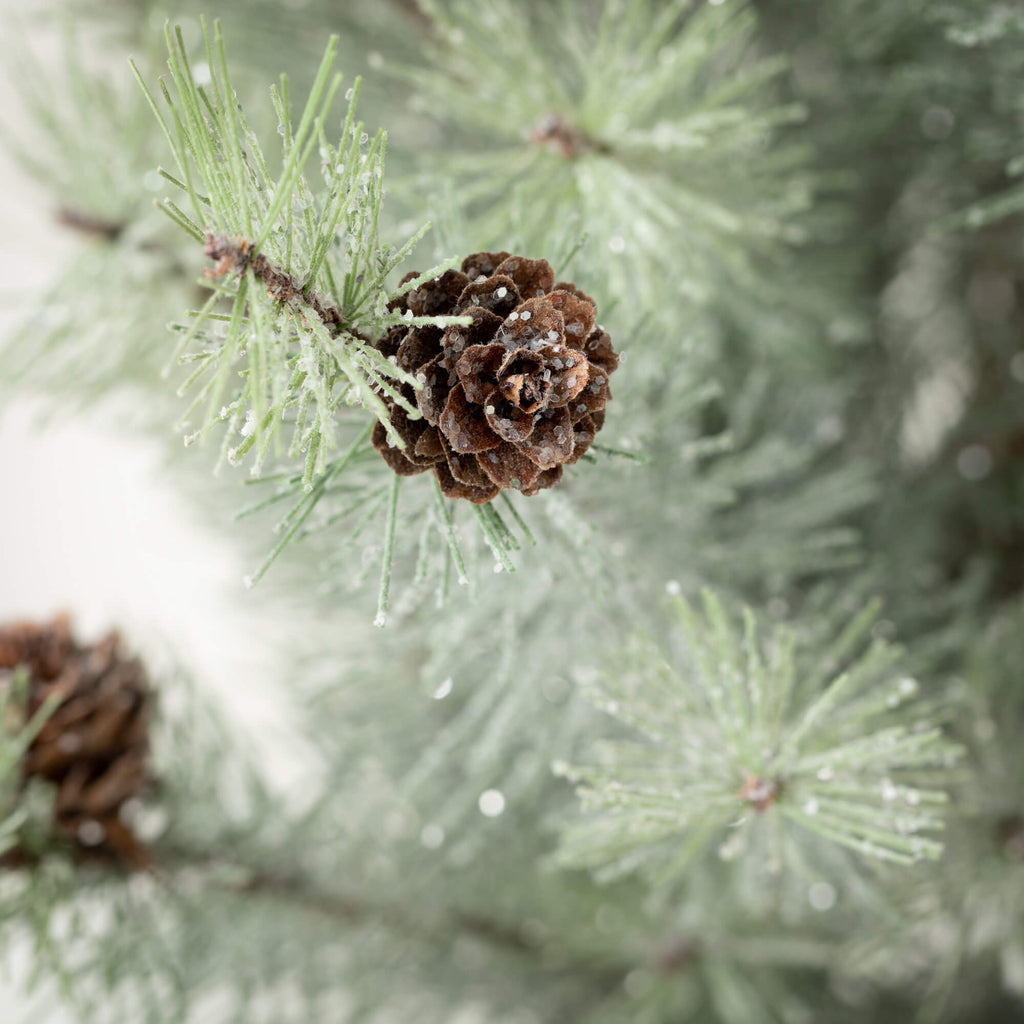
x: 755, y: 504
x: 100, y: 329
x: 431, y: 541
x: 979, y: 22
x: 272, y: 361
x: 238, y: 923
x: 86, y: 133
x: 410, y: 763
x: 961, y: 928
x: 997, y: 30
x: 319, y: 897
x: 750, y: 743
x: 664, y: 153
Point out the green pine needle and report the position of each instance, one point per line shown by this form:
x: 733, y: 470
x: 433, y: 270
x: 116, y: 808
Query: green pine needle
x: 303, y: 271
x: 286, y: 344
x: 645, y: 123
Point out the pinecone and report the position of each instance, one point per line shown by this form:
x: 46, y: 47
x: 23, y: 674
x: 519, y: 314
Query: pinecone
x: 93, y: 747
x: 508, y: 400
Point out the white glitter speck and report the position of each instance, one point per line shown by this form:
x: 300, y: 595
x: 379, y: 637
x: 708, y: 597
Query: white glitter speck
x: 491, y: 803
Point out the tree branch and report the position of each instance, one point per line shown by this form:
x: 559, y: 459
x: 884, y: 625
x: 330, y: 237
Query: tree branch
x: 301, y: 894
x: 238, y: 254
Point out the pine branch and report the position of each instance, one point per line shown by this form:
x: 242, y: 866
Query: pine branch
x: 69, y: 104
x: 282, y: 234
x: 344, y: 910
x: 239, y: 255
x: 666, y: 171
x: 666, y: 960
x: 735, y: 734
x: 83, y: 131
x: 87, y: 224
x: 305, y: 276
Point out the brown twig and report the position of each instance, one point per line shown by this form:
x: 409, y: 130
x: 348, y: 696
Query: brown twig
x: 350, y: 911
x: 1010, y: 831
x: 236, y: 255
x: 760, y: 793
x: 88, y: 224
x: 341, y: 908
x: 412, y: 10
x: 347, y: 910
x: 556, y: 133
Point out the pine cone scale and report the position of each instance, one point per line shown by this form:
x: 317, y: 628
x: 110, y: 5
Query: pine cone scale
x: 464, y: 424
x: 497, y: 295
x: 409, y: 430
x: 483, y: 264
x: 507, y: 466
x: 532, y: 277
x: 578, y: 312
x: 599, y: 351
x: 432, y: 396
x: 466, y: 469
x: 548, y: 478
x: 419, y: 345
x: 453, y: 488
x: 535, y: 323
x: 438, y: 296
x: 430, y: 446
x: 114, y: 787
x: 478, y: 370
x: 584, y: 433
x: 394, y: 457
x: 552, y: 440
x: 44, y: 652
x: 507, y: 420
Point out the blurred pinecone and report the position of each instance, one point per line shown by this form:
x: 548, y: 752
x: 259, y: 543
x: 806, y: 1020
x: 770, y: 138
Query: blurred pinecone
x: 508, y: 400
x: 94, y: 745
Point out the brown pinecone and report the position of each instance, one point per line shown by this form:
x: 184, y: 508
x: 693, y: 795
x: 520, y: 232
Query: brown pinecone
x: 508, y: 400
x: 93, y: 747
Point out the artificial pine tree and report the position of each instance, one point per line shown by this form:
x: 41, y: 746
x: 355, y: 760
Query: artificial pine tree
x: 733, y: 732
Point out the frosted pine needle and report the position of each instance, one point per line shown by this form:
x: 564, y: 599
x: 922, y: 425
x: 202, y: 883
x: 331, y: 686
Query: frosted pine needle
x: 736, y: 729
